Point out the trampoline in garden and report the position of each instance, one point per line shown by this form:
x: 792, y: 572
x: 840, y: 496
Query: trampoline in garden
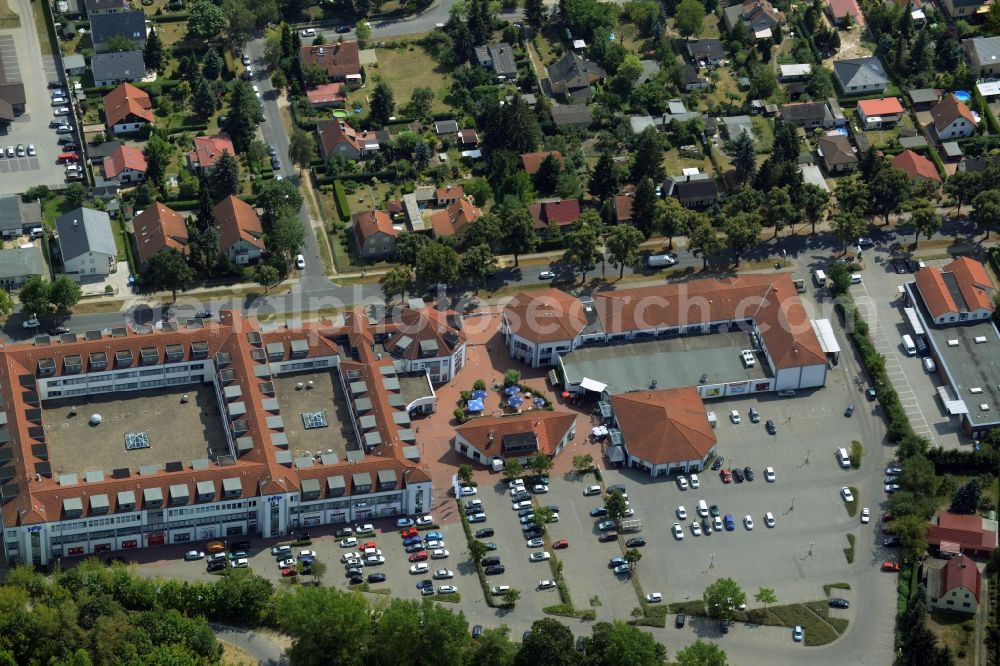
x: 962, y: 95
x: 475, y: 406
x: 479, y: 394
x: 340, y: 113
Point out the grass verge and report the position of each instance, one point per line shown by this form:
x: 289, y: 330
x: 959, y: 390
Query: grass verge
x: 38, y: 16
x: 452, y: 597
x: 852, y: 506
x: 487, y: 594
x: 651, y: 616
x: 813, y: 617
x: 324, y: 251
x: 849, y: 551
x: 837, y: 586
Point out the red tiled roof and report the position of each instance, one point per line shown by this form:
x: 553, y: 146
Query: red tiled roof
x: 843, y: 8
x: 664, y: 426
x: 334, y: 132
x: 623, y: 207
x: 453, y: 220
x: 420, y: 325
x: 960, y: 572
x: 127, y: 100
x: 948, y: 110
x: 546, y: 315
x: 369, y: 222
x: 563, y: 213
x: 973, y: 281
x: 448, y: 193
x: 327, y: 93
x: 887, y: 106
x: 916, y: 166
x: 339, y: 60
x: 771, y: 300
x: 208, y: 149
x: 238, y: 220
x: 531, y: 162
x: 159, y: 228
x: 124, y: 157
x: 965, y: 530
x: 487, y: 433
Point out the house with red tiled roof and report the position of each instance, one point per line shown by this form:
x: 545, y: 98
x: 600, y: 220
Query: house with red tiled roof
x: 953, y: 533
x: 844, y: 11
x: 531, y: 162
x: 208, y: 150
x: 455, y: 219
x: 916, y: 166
x: 562, y: 212
x: 443, y: 196
x: 516, y: 436
x: 664, y: 431
x: 954, y: 585
x: 125, y: 165
x: 952, y: 119
x: 958, y: 292
x: 424, y: 338
x: 876, y: 113
x: 159, y: 228
x: 127, y: 109
x: 337, y: 139
x: 538, y: 326
x: 468, y: 138
x: 340, y: 61
x: 327, y: 95
x: 623, y: 208
x: 374, y: 234
x: 241, y: 235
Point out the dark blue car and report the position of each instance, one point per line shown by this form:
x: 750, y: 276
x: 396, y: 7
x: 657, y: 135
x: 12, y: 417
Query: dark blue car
x: 409, y: 541
x: 424, y: 583
x: 730, y: 525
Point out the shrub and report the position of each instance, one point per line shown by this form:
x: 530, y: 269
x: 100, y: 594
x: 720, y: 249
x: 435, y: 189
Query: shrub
x: 466, y: 396
x: 479, y: 385
x: 459, y: 414
x: 856, y: 450
x: 340, y: 198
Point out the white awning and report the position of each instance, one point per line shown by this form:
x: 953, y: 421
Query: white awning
x: 989, y: 88
x: 589, y: 384
x: 952, y: 406
x: 614, y: 454
x: 827, y: 340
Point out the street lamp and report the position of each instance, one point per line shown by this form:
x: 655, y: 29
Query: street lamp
x: 711, y: 562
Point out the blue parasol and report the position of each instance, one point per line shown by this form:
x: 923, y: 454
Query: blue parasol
x: 479, y: 395
x: 512, y: 390
x: 474, y: 406
x: 515, y: 401
x: 538, y: 402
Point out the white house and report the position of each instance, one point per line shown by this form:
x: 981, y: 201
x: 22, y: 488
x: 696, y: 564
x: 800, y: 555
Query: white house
x: 86, y: 243
x: 516, y: 436
x: 952, y: 119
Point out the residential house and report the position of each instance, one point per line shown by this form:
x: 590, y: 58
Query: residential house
x: 18, y: 217
x: 708, y: 52
x: 443, y: 196
x: 110, y: 69
x: 207, y: 151
x: 692, y: 79
x: 623, y: 209
x: 75, y: 64
x: 327, y: 95
x: 542, y: 345
x: 12, y: 98
x: 837, y: 154
x: 922, y: 99
x: 952, y: 119
x: 860, y: 76
x: 515, y: 437
x: 807, y: 115
x: 799, y: 72
x: 127, y: 108
x: 96, y: 7
x: 572, y: 115
x: 98, y: 152
x: 957, y: 534
x: 916, y: 166
x: 571, y: 76
x: 499, y: 58
x: 812, y: 174
x: 664, y: 431
x: 19, y: 264
x: 338, y: 139
x: 86, y: 244
x: 159, y: 229
x: 374, y: 234
x: 736, y: 125
x: 759, y: 16
x: 562, y: 212
x: 445, y: 128
x: 954, y: 585
x: 70, y: 8
x: 241, y: 235
x: 876, y: 113
x: 844, y: 12
x: 959, y: 292
x: 468, y: 138
x: 983, y: 54
x: 130, y: 24
x: 695, y: 192
x: 531, y: 162
x: 125, y: 166
x: 963, y: 8
x: 341, y: 61
x: 455, y: 219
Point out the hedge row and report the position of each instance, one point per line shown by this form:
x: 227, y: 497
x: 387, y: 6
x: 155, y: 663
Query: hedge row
x: 340, y: 198
x: 874, y: 362
x: 200, y: 127
x: 962, y: 461
x: 168, y: 18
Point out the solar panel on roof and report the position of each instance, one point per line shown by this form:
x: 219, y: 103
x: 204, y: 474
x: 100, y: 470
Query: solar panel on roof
x: 93, y: 335
x: 174, y: 466
x: 136, y: 440
x: 312, y: 420
x: 119, y: 332
x: 120, y: 473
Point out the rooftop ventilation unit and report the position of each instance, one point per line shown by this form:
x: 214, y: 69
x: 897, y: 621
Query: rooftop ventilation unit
x: 975, y: 390
x: 953, y: 343
x: 980, y: 339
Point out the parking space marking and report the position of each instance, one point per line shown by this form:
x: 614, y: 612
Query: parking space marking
x: 11, y: 69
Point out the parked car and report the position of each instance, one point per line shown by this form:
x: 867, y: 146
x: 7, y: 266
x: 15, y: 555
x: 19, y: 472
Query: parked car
x: 754, y: 415
x: 729, y: 523
x: 419, y: 568
x: 726, y: 476
x: 484, y: 533
x: 418, y: 556
x: 748, y: 473
x: 890, y: 566
x: 404, y: 522
x: 734, y: 416
x: 193, y: 555
x: 737, y: 475
x: 837, y: 602
x: 678, y: 532
x: 634, y: 542
x: 846, y: 493
x: 770, y: 427
x: 718, y: 463
x: 546, y: 275
x: 376, y: 578
x: 769, y: 474
x: 561, y: 543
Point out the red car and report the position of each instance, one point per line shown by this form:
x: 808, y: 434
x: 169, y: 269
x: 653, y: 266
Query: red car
x: 562, y: 543
x: 288, y: 572
x: 886, y: 517
x: 365, y: 546
x: 418, y: 556
x: 726, y: 476
x: 890, y: 566
x: 408, y: 532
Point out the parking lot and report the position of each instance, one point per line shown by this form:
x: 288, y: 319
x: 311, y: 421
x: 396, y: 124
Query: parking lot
x: 22, y: 60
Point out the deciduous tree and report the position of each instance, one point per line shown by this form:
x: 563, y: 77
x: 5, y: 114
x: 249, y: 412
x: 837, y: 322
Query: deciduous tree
x: 478, y: 264
x: 437, y: 264
x: 301, y: 148
x: 581, y: 249
x: 623, y: 243
x: 742, y: 231
x: 689, y: 18
x: 157, y: 153
x: 962, y: 186
x: 723, y: 598
x: 286, y: 236
x: 814, y: 201
x: 167, y: 271
x: 64, y: 293
x: 620, y: 644
x: 421, y: 100
x: 267, y: 275
x: 396, y: 281
x: 889, y: 189
x: 206, y: 21
x: 550, y: 642
x: 583, y: 463
x: 848, y: 226
x: 704, y: 241
x: 701, y: 653
x: 408, y: 246
x: 520, y: 236
x: 34, y: 297
x: 276, y: 197
x: 925, y: 220
x: 616, y: 504
x: 986, y: 210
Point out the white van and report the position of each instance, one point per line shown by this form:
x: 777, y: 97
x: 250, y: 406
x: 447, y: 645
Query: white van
x: 911, y: 349
x: 844, y: 458
x: 702, y: 508
x: 820, y: 278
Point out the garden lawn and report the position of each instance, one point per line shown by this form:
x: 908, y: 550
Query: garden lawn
x: 8, y: 19
x: 407, y: 68
x: 52, y: 209
x: 950, y: 629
